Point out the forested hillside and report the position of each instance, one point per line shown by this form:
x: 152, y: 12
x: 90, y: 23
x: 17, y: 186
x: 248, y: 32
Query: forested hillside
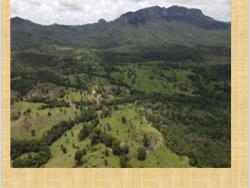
x: 149, y: 89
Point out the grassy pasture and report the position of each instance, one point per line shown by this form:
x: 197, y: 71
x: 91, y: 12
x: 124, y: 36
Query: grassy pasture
x: 38, y: 120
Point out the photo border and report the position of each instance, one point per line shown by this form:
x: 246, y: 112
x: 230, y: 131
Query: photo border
x: 235, y: 177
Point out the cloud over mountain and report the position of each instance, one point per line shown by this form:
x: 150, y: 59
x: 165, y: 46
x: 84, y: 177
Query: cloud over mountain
x: 90, y: 11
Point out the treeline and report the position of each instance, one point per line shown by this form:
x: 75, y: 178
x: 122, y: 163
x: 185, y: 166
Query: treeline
x: 36, y: 59
x: 174, y: 53
x: 23, y: 86
x: 38, y: 153
x: 49, y: 103
x: 55, y: 104
x: 27, y: 80
x: 57, y: 131
x: 46, y: 75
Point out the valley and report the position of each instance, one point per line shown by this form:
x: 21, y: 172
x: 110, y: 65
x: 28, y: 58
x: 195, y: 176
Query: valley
x: 131, y: 93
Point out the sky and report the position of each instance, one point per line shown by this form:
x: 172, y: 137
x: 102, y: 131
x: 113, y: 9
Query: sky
x: 79, y: 12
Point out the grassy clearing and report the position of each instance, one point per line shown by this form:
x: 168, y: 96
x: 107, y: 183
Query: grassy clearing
x: 149, y: 82
x: 59, y: 159
x: 38, y: 120
x: 133, y: 129
x: 47, y: 90
x: 162, y: 158
x: 75, y: 95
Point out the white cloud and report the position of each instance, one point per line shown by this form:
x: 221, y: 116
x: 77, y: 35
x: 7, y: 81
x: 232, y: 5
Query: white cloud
x: 89, y: 11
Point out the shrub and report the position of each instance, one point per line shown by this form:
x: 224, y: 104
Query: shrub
x: 141, y: 154
x: 124, y: 120
x: 123, y: 161
x: 105, y: 162
x: 78, y: 156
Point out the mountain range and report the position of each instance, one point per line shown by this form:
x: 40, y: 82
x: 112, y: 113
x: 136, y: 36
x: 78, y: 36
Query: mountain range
x: 151, y: 26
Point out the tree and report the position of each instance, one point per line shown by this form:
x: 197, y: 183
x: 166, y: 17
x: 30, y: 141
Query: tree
x: 33, y: 133
x: 141, y: 154
x: 106, y: 152
x: 124, y: 120
x: 15, y: 116
x: 146, y: 141
x: 124, y: 149
x: 123, y: 161
x: 84, y: 133
x: 84, y: 152
x: 64, y: 150
x: 106, y: 139
x: 116, y: 148
x: 78, y: 157
x: 109, y: 127
x: 106, y: 162
x: 95, y: 136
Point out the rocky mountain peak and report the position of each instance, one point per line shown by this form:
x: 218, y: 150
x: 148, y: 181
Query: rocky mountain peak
x: 182, y: 11
x: 157, y: 12
x: 18, y: 20
x: 102, y: 21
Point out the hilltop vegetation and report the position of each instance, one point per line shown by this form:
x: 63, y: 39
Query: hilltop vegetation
x: 148, y: 103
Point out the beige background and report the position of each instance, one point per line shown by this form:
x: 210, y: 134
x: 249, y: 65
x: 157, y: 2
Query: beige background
x: 234, y: 177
